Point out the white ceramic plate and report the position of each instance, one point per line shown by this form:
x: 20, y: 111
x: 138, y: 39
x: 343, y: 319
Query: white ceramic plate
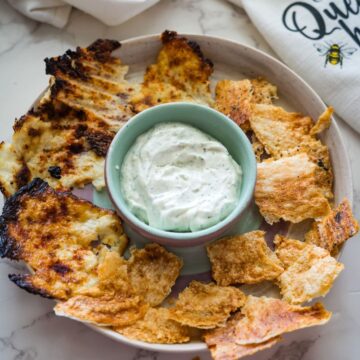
x: 235, y: 61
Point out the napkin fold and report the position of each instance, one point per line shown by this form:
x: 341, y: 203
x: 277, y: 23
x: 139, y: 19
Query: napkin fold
x: 320, y: 40
x: 57, y: 12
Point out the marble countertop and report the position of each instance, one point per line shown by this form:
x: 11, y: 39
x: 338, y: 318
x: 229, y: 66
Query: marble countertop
x: 28, y: 328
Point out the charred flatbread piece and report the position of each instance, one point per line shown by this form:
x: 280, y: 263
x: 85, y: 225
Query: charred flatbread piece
x: 61, y: 237
x: 262, y: 320
x: 334, y: 229
x: 287, y: 189
x: 243, y: 259
x: 288, y: 133
x: 206, y: 306
x: 152, y: 272
x: 157, y: 327
x: 310, y: 270
x: 59, y: 152
x: 235, y: 98
x: 181, y: 73
x: 222, y: 345
x: 13, y: 171
x: 65, y: 138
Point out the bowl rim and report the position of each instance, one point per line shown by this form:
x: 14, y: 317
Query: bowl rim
x: 183, y: 239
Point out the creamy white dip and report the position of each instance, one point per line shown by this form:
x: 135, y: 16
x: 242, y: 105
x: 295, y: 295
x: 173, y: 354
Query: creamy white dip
x: 177, y: 178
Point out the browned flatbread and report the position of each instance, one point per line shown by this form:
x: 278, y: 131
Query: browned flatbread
x: 156, y: 327
x: 287, y: 189
x: 181, y: 73
x: 65, y: 139
x: 13, y: 171
x: 61, y: 237
x: 262, y: 320
x: 310, y: 270
x: 287, y: 134
x: 111, y: 302
x: 334, y: 229
x: 235, y: 98
x: 206, y: 306
x: 105, y: 310
x: 243, y: 259
x: 152, y: 272
x: 222, y: 345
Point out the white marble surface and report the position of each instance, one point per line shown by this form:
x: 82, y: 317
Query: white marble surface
x: 28, y: 328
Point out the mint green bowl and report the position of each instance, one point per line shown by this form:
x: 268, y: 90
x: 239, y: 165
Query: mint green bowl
x: 209, y: 121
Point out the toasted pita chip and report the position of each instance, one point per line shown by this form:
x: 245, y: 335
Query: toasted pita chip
x: 334, y: 229
x: 319, y: 155
x: 288, y: 250
x: 235, y: 98
x: 243, y: 259
x: 181, y: 73
x: 258, y: 147
x: 206, y: 306
x: 287, y: 189
x: 323, y: 121
x: 287, y: 134
x: 263, y: 319
x: 264, y: 92
x: 266, y: 318
x: 222, y: 345
x: 61, y: 237
x: 310, y: 273
x: 156, y: 327
x: 152, y: 272
x: 278, y: 129
x: 106, y: 310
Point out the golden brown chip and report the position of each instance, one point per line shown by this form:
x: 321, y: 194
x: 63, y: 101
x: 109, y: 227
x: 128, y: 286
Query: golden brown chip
x: 222, y: 345
x: 264, y: 92
x: 61, y: 237
x: 278, y: 129
x: 258, y: 147
x: 206, y: 306
x: 319, y: 155
x: 263, y: 319
x: 334, y: 229
x: 310, y: 270
x: 287, y: 134
x: 156, y: 327
x: 65, y: 138
x: 235, y: 98
x: 152, y: 272
x: 243, y: 259
x: 287, y: 189
x: 288, y: 250
x: 106, y: 310
x: 181, y: 73
x: 266, y: 318
x: 323, y: 121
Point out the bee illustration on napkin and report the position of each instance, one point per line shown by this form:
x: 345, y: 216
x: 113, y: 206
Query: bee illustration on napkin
x: 334, y: 52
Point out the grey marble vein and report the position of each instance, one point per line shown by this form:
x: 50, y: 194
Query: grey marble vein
x: 294, y: 351
x: 145, y: 355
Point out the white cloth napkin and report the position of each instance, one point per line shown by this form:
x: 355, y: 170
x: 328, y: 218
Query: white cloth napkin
x: 304, y: 34
x: 57, y: 12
